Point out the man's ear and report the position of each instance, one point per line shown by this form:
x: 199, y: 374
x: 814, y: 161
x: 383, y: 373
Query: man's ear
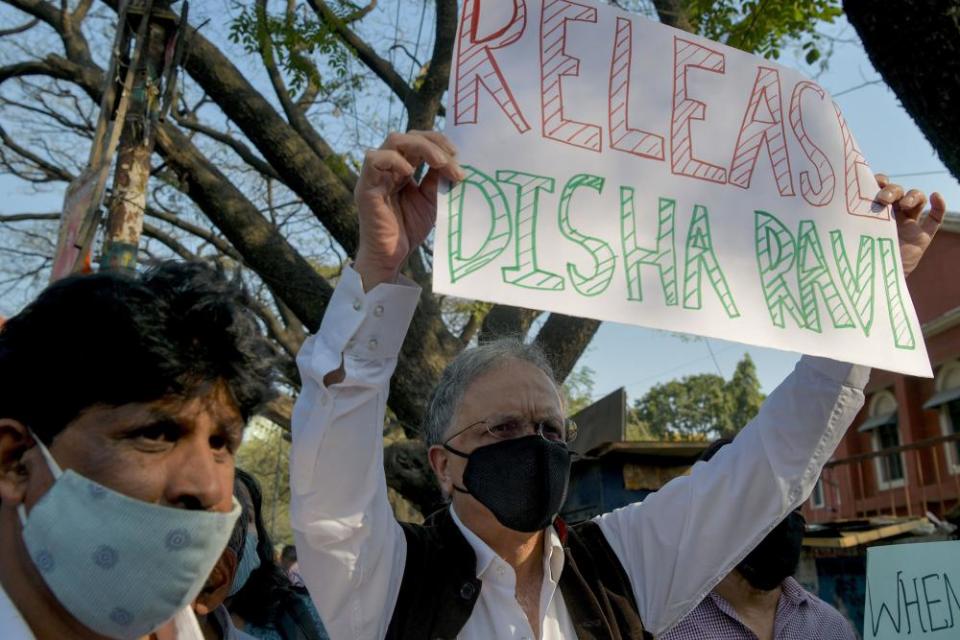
x: 439, y: 462
x: 15, y: 440
x: 217, y: 587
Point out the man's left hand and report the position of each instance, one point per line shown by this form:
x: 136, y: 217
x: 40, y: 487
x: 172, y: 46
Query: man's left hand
x: 915, y: 230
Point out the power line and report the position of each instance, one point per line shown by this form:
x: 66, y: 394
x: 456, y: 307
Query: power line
x: 713, y: 356
x: 918, y: 173
x: 679, y: 366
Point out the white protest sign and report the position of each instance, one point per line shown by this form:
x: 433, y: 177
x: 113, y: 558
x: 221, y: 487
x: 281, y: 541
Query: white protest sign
x: 623, y: 170
x: 913, y: 590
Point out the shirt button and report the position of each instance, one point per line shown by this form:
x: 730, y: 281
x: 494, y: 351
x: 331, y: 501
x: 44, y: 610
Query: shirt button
x: 378, y: 310
x: 357, y: 305
x: 372, y: 345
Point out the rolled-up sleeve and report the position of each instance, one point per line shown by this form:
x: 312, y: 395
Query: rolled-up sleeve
x: 678, y: 543
x: 350, y: 548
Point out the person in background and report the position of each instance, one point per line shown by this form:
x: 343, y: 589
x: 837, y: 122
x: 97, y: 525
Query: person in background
x: 263, y: 602
x: 759, y: 600
x: 212, y: 614
x: 122, y: 402
x: 288, y: 560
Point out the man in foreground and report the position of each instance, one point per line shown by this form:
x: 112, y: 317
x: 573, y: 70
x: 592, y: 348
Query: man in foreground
x: 122, y: 402
x: 759, y: 599
x: 495, y: 564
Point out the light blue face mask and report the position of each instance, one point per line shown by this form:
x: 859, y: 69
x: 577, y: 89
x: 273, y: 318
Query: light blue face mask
x: 122, y: 567
x: 249, y: 563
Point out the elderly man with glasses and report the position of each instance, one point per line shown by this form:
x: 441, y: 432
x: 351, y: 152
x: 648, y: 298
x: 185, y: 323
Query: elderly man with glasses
x: 497, y: 563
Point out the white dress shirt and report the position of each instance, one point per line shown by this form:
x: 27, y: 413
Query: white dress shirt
x: 14, y: 627
x: 497, y: 607
x: 675, y: 546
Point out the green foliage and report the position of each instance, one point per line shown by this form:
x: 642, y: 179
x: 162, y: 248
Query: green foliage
x: 265, y: 453
x: 763, y: 26
x: 577, y: 390
x: 296, y: 38
x: 744, y: 393
x: 702, y: 405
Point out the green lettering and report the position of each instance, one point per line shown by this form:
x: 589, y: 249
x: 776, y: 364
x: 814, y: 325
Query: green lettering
x: 700, y: 255
x: 603, y: 258
x: 776, y: 254
x: 525, y: 272
x: 498, y: 237
x: 899, y: 320
x: 813, y: 275
x: 857, y: 283
x: 663, y: 256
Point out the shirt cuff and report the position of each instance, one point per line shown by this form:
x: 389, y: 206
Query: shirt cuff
x: 854, y: 376
x: 368, y: 325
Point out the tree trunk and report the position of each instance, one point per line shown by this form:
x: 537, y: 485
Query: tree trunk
x: 915, y: 46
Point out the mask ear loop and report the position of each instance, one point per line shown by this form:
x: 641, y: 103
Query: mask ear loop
x: 465, y: 456
x: 55, y: 470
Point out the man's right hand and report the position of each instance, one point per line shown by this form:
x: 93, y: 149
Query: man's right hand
x: 396, y: 214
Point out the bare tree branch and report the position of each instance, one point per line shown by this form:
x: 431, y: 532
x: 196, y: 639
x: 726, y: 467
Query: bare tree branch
x: 242, y: 150
x: 20, y: 29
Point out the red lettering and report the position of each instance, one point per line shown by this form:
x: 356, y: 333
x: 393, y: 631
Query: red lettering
x: 555, y: 64
x: 688, y: 54
x: 622, y: 136
x: 763, y: 126
x: 858, y: 203
x: 820, y: 195
x: 476, y: 65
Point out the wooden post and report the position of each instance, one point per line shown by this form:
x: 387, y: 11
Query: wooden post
x: 923, y: 482
x: 936, y: 472
x: 853, y: 492
x: 863, y: 488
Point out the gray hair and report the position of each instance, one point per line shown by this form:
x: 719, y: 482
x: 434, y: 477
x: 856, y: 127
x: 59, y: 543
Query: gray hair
x: 470, y: 364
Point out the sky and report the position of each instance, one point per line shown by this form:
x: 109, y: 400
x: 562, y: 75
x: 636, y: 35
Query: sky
x: 638, y: 358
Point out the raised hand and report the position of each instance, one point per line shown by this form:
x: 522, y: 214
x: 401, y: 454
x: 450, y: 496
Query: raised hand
x: 396, y: 214
x: 915, y: 230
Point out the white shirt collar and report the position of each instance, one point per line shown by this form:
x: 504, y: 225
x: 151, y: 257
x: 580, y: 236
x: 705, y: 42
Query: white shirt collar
x: 552, y: 549
x: 12, y: 624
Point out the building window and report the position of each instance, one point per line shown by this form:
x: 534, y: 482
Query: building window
x: 818, y: 498
x: 885, y: 434
x: 947, y: 402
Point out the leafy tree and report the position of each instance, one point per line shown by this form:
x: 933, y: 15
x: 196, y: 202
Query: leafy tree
x: 265, y: 454
x: 701, y: 405
x: 744, y: 393
x: 577, y: 390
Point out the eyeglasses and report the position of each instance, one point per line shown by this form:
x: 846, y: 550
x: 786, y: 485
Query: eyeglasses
x: 552, y: 429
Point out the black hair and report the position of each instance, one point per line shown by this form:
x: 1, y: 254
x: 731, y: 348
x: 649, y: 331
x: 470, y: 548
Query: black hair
x: 289, y: 553
x: 114, y: 339
x: 715, y: 446
x: 268, y: 590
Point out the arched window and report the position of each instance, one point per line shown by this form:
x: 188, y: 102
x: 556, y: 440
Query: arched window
x: 885, y: 434
x: 947, y: 402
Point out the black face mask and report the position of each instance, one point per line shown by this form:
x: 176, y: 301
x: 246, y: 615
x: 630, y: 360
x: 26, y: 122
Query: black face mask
x: 522, y: 481
x: 777, y: 555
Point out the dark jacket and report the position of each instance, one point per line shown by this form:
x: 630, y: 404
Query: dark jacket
x: 440, y: 587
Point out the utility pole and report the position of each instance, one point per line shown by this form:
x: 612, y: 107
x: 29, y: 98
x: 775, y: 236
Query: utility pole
x: 128, y: 199
x: 130, y: 108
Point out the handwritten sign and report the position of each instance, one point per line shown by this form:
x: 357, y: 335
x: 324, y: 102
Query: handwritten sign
x: 913, y: 590
x: 623, y: 170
